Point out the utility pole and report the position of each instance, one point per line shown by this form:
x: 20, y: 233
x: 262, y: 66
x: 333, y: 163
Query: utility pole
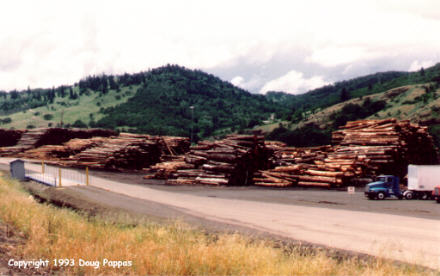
x: 62, y: 115
x: 192, y: 122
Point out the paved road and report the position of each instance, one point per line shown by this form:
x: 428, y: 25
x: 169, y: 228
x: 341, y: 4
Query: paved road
x: 408, y: 239
x: 313, y: 198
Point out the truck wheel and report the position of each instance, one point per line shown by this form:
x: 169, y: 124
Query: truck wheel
x: 438, y: 200
x: 380, y: 195
x: 409, y: 195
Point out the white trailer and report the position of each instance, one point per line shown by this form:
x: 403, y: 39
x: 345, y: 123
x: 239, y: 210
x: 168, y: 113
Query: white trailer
x: 421, y: 181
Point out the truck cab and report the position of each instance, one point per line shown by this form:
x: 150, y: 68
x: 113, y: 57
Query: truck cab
x: 384, y: 186
x: 436, y: 194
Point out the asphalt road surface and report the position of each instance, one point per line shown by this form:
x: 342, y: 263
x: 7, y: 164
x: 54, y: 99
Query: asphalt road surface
x: 413, y: 239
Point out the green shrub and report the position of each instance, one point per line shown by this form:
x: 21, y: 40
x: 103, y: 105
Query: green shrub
x: 6, y: 120
x: 79, y: 124
x: 409, y: 102
x: 435, y: 108
x: 352, y: 112
x: 47, y: 117
x: 309, y: 135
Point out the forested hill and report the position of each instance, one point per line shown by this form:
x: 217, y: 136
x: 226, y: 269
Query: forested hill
x: 173, y: 99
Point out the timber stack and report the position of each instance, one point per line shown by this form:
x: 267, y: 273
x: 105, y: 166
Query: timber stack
x: 231, y: 161
x: 304, y: 166
x: 10, y: 137
x: 35, y: 138
x: 120, y: 153
x: 385, y: 146
x: 365, y: 148
x: 166, y: 169
x: 171, y: 146
x: 123, y: 152
x: 65, y: 152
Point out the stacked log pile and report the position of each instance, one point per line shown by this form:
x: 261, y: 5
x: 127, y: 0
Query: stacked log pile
x: 48, y: 152
x: 58, y: 136
x: 166, y: 169
x: 63, y: 152
x: 301, y: 166
x: 306, y: 155
x: 10, y: 138
x: 126, y: 151
x: 120, y: 153
x: 275, y: 145
x: 231, y: 161
x: 50, y: 136
x: 385, y: 146
x: 366, y: 148
x: 171, y: 146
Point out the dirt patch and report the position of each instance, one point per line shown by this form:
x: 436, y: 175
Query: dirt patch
x: 396, y: 92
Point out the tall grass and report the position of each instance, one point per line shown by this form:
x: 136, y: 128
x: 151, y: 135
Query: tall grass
x: 175, y: 249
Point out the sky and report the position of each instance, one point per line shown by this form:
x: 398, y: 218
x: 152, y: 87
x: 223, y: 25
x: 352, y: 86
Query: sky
x: 290, y: 46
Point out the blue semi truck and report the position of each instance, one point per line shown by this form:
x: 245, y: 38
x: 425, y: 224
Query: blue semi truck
x: 384, y: 186
x: 422, y: 180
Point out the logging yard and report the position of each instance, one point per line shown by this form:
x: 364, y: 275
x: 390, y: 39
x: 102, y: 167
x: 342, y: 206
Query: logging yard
x: 247, y: 184
x: 361, y: 150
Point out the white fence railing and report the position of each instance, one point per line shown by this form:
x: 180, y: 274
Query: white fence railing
x: 55, y: 176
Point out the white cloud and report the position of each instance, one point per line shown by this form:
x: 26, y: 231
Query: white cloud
x: 250, y: 84
x: 51, y: 42
x: 237, y: 81
x: 294, y: 83
x: 334, y: 56
x: 417, y: 65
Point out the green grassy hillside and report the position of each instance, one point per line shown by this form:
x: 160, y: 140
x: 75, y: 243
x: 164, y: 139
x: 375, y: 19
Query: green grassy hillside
x: 418, y: 103
x: 80, y: 111
x: 317, y: 99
